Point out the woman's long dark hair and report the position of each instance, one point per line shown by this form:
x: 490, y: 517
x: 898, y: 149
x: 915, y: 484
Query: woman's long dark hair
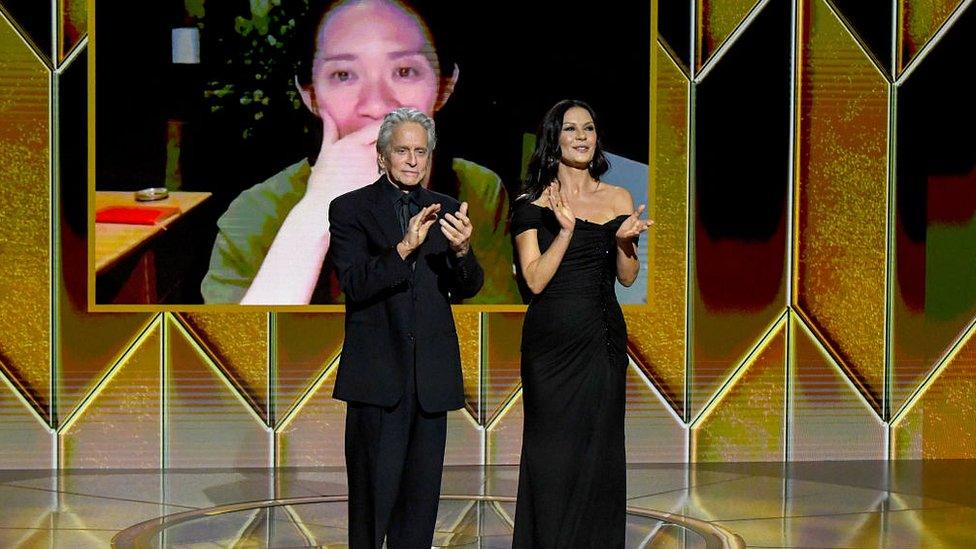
x: 547, y: 155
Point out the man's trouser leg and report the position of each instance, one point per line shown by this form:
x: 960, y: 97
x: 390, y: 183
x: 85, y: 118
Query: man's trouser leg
x: 394, y: 460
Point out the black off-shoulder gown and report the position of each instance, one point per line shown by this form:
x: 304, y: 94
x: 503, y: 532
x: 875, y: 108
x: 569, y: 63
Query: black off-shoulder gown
x: 572, y: 477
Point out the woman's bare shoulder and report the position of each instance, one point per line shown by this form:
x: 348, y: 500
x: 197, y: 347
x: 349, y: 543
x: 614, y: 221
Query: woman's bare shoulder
x: 619, y: 197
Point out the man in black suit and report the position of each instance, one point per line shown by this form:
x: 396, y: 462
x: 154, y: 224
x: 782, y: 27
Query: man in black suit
x: 400, y: 370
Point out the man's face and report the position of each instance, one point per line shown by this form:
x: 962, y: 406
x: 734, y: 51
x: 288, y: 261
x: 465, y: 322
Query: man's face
x: 371, y: 58
x: 407, y: 159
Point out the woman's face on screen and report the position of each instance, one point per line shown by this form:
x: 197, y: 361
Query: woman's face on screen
x: 371, y: 58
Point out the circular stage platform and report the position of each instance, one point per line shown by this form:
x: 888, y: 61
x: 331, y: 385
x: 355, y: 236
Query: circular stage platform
x: 463, y: 521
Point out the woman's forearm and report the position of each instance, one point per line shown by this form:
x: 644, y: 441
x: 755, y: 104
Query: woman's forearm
x: 628, y: 265
x: 293, y: 264
x: 540, y: 271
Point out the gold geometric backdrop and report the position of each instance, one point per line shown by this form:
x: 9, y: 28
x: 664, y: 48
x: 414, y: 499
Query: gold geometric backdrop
x: 812, y: 293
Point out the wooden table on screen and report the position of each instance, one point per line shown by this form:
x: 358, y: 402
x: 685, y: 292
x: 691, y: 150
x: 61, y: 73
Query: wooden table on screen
x: 129, y: 259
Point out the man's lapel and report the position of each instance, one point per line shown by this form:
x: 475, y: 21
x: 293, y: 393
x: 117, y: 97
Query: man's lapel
x: 383, y: 212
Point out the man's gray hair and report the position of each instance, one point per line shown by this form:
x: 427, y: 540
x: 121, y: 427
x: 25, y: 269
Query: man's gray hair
x: 399, y: 116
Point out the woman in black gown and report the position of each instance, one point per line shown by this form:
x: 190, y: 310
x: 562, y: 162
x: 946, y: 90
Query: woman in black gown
x: 574, y: 235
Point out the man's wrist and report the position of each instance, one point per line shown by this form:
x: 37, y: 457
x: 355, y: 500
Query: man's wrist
x: 404, y: 249
x: 463, y: 251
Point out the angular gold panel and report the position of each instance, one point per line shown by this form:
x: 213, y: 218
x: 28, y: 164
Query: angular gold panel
x: 918, y: 21
x: 657, y: 335
x: 313, y: 436
x: 25, y: 441
x: 933, y: 290
x: 33, y: 21
x: 716, y: 21
x: 747, y: 419
x: 305, y: 344
x: 73, y: 20
x: 841, y: 209
x: 721, y: 337
x: 504, y: 437
x: 88, y: 343
x: 829, y: 420
x: 238, y: 343
x: 502, y: 367
x: 469, y: 339
x: 464, y: 440
x: 25, y: 234
x: 653, y: 433
x: 119, y: 426
x: 938, y: 422
x: 739, y: 241
x: 207, y: 422
x: 871, y: 22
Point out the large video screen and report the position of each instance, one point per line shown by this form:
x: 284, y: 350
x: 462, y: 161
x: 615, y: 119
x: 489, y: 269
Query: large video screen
x: 238, y: 109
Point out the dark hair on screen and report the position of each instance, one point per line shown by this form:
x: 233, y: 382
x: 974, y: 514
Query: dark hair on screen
x: 428, y: 12
x: 437, y: 17
x: 545, y: 159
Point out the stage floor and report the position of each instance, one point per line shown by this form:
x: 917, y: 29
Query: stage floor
x: 832, y: 504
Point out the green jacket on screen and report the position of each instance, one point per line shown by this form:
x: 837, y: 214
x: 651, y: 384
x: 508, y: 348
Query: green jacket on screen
x: 248, y: 227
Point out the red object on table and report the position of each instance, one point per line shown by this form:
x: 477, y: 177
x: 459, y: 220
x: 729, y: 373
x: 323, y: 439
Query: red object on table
x: 135, y: 215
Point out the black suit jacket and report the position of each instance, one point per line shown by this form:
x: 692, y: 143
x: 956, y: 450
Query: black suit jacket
x: 394, y: 313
